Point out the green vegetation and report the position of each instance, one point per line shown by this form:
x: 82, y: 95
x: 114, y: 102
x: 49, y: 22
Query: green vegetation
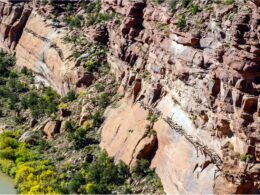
x: 69, y: 126
x: 95, y: 60
x: 185, y: 3
x: 93, y: 15
x: 71, y: 96
x: 74, y: 21
x: 104, y: 100
x: 246, y: 157
x: 5, y: 62
x: 152, y: 117
x: 13, y: 153
x: 181, y: 22
x: 34, y: 175
x: 228, y: 2
x: 40, y: 105
x: 158, y: 1
x: 16, y: 94
x: 173, y: 5
x: 195, y: 9
x: 142, y: 170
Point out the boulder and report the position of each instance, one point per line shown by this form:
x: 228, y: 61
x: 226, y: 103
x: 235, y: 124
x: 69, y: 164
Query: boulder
x: 52, y: 128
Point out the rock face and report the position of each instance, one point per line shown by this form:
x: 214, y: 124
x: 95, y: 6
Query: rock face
x: 41, y: 49
x: 13, y: 19
x: 191, y: 101
x: 205, y: 87
x: 38, y: 45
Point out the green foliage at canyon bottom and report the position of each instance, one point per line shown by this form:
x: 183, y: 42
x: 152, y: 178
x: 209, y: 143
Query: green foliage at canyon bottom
x: 37, y: 164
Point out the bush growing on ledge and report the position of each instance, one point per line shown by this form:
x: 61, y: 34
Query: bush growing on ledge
x: 152, y: 117
x: 181, y: 22
x: 103, y: 100
x: 71, y: 96
x: 246, y: 157
x: 99, y: 18
x: 94, y: 16
x: 74, y: 21
x: 97, y: 119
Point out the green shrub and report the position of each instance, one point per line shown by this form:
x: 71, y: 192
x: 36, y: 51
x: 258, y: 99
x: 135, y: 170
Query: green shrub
x: 71, y: 96
x: 104, y: 100
x: 103, y: 175
x: 185, y: 3
x: 69, y: 7
x: 181, y: 22
x: 246, y: 157
x: 36, y: 177
x: 6, y: 61
x: 94, y: 16
x: 228, y: 2
x: 69, y: 126
x: 74, y: 21
x: 46, y: 104
x: 25, y: 71
x: 100, y: 87
x: 75, y: 183
x: 97, y: 119
x: 152, y: 117
x: 94, y: 7
x: 172, y: 5
x: 99, y: 18
x: 91, y: 65
x: 141, y: 168
x: 6, y: 165
x: 78, y: 137
x: 195, y: 9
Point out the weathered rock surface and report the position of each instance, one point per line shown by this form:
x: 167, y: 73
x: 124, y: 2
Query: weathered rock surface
x: 39, y: 46
x: 204, y: 85
x: 212, y: 96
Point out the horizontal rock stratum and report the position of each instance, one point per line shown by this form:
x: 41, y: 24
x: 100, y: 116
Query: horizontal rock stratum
x: 190, y: 101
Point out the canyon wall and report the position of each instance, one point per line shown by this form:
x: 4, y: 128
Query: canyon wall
x: 204, y: 87
x: 39, y: 44
x: 190, y: 101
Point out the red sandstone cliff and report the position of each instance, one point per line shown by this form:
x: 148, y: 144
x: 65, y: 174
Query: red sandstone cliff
x: 191, y: 99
